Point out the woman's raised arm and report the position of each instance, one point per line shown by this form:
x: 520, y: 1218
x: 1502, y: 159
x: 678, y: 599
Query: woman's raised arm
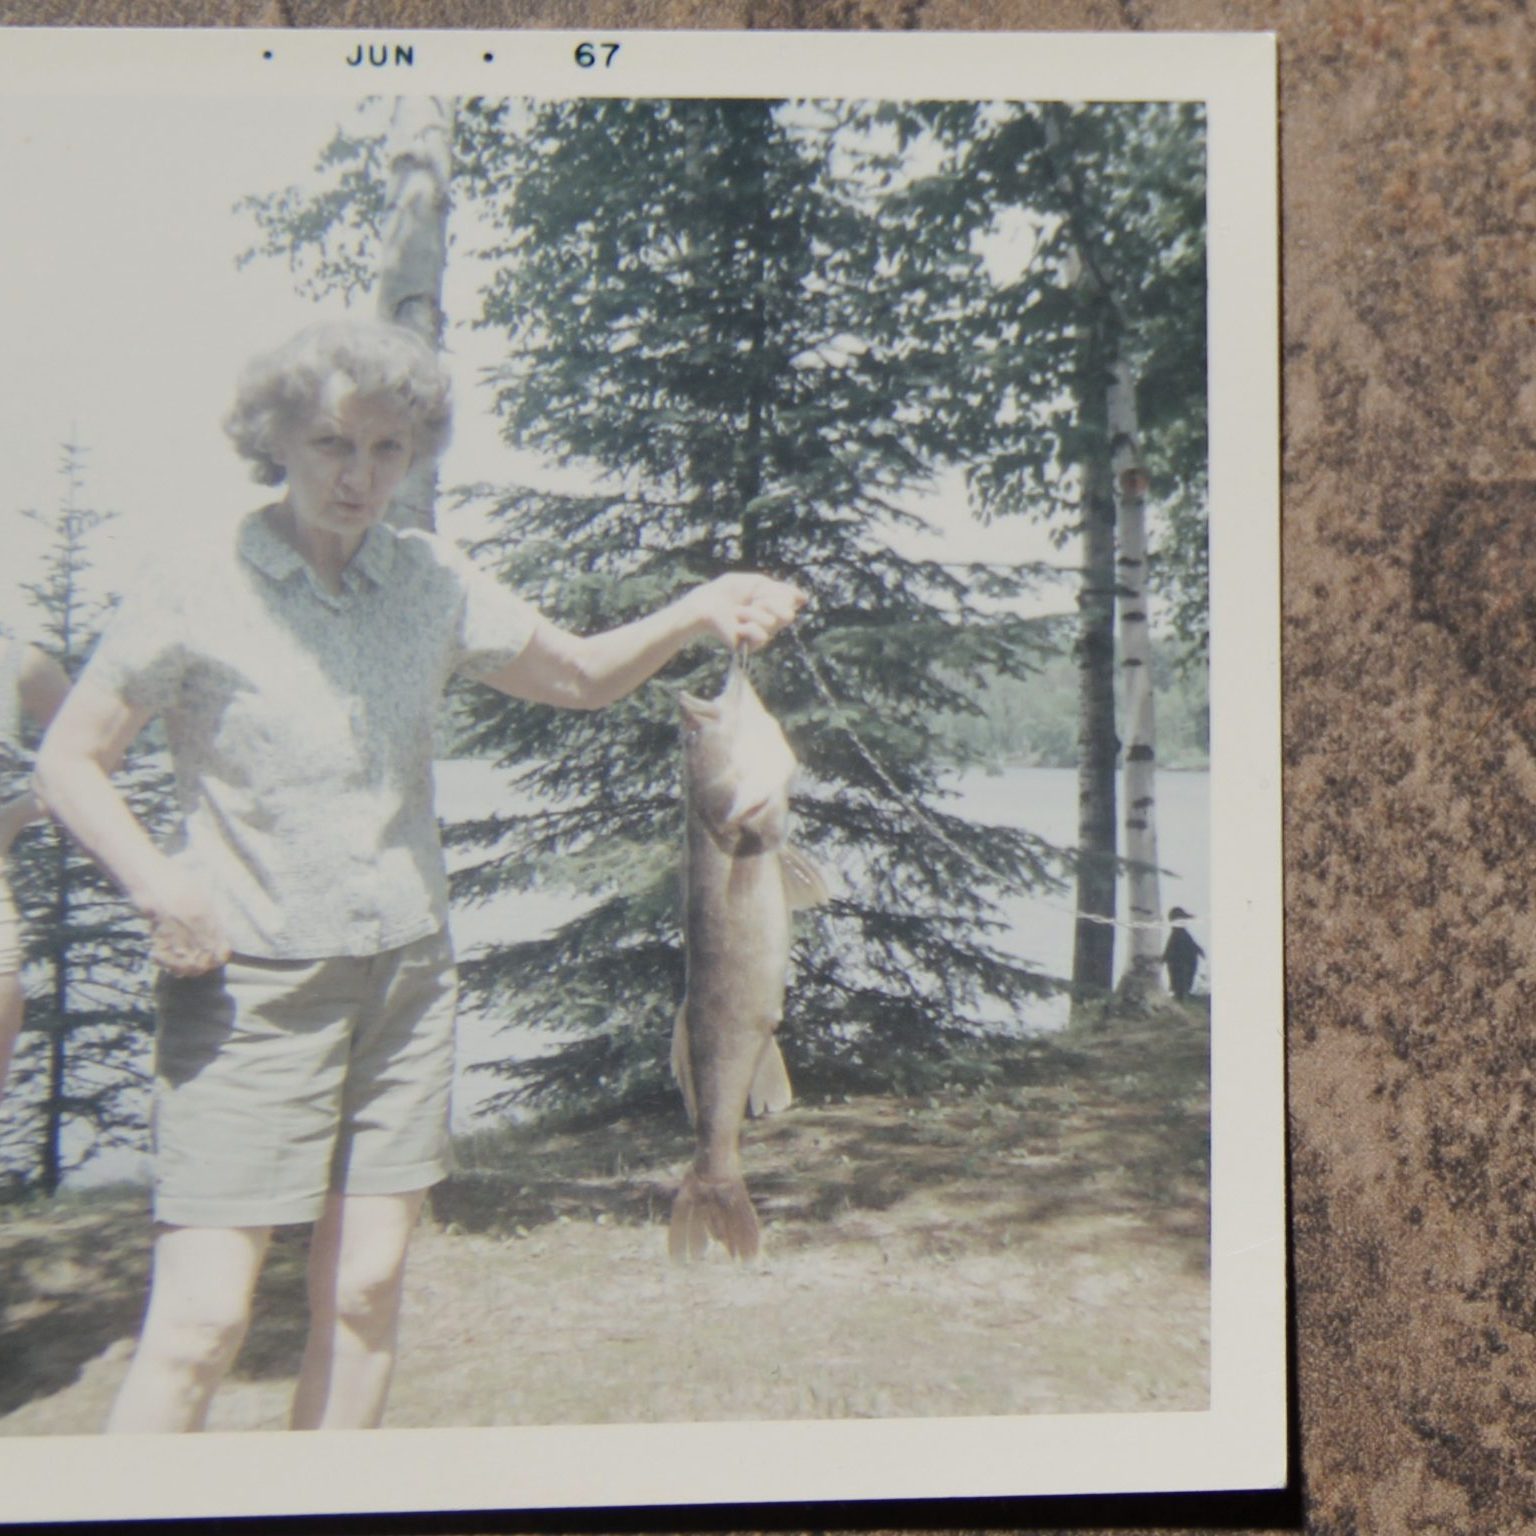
x: 591, y: 671
x: 42, y: 684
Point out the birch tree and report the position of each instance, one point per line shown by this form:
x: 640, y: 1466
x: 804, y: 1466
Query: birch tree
x: 413, y: 254
x: 1144, y: 974
x: 1098, y: 742
x: 1117, y: 281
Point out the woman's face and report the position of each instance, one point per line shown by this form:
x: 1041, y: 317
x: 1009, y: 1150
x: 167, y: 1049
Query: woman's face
x: 344, y: 463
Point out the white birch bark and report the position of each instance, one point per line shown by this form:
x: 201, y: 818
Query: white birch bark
x: 1139, y: 770
x: 414, y: 254
x: 1093, y: 946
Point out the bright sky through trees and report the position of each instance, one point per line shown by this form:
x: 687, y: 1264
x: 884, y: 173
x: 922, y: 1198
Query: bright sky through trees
x: 126, y: 321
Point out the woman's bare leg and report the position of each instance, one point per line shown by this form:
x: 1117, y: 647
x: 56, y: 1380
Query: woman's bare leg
x: 356, y: 1270
x: 199, y: 1309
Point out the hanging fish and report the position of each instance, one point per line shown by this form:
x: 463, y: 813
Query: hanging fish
x: 740, y: 882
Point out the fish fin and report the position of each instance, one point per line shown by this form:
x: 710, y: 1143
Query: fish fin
x: 712, y: 1208
x: 804, y: 883
x: 770, y: 1090
x: 682, y: 1063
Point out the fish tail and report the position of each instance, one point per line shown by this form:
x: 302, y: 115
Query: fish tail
x: 712, y: 1208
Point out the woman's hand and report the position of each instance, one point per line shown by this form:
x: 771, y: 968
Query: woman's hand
x: 83, y: 746
x: 591, y: 671
x: 743, y: 609
x: 186, y: 937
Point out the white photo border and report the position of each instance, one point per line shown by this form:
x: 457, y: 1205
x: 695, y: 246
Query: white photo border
x: 1240, y: 1443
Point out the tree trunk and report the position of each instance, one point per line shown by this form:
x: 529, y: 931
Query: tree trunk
x: 414, y: 254
x: 63, y: 879
x: 1143, y: 975
x: 749, y: 464
x: 1093, y: 950
x: 52, y: 1149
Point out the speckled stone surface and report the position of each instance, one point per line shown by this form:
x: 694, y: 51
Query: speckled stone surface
x: 1409, y: 204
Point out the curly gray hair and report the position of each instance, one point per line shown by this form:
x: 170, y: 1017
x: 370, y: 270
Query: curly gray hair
x: 280, y: 389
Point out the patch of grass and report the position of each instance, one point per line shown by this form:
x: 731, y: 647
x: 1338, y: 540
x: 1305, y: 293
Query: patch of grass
x: 1115, y: 1122
x: 72, y: 1281
x: 1046, y: 1194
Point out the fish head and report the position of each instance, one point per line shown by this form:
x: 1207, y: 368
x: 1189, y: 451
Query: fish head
x: 737, y: 766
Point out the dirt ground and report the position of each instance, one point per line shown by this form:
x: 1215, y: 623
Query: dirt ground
x: 1040, y: 1246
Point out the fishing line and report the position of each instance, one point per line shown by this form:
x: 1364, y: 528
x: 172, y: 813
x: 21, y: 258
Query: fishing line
x: 920, y: 815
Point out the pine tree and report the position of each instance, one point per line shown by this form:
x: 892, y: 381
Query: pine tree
x: 703, y: 302
x: 80, y: 1072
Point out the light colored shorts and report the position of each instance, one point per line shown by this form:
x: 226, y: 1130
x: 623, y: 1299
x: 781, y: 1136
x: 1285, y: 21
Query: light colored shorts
x: 278, y: 1081
x: 10, y: 929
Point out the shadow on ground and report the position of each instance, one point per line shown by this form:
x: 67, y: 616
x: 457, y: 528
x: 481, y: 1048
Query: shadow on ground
x: 1111, y: 1124
x: 73, y: 1282
x: 1106, y: 1131
x: 70, y: 1286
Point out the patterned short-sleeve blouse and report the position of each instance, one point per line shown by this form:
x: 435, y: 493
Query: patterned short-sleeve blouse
x: 300, y: 725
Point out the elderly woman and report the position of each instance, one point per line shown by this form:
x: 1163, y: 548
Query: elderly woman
x: 32, y: 685
x: 306, y: 988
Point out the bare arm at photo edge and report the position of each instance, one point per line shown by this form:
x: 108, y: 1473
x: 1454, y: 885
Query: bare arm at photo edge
x: 591, y: 671
x: 83, y: 747
x: 42, y: 685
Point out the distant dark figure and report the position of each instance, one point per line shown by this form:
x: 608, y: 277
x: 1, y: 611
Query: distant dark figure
x: 1182, y: 954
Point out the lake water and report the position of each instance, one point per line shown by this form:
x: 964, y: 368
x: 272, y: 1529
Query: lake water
x: 1039, y: 800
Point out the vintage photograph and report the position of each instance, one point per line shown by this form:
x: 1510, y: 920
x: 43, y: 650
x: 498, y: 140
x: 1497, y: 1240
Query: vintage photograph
x: 640, y: 779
